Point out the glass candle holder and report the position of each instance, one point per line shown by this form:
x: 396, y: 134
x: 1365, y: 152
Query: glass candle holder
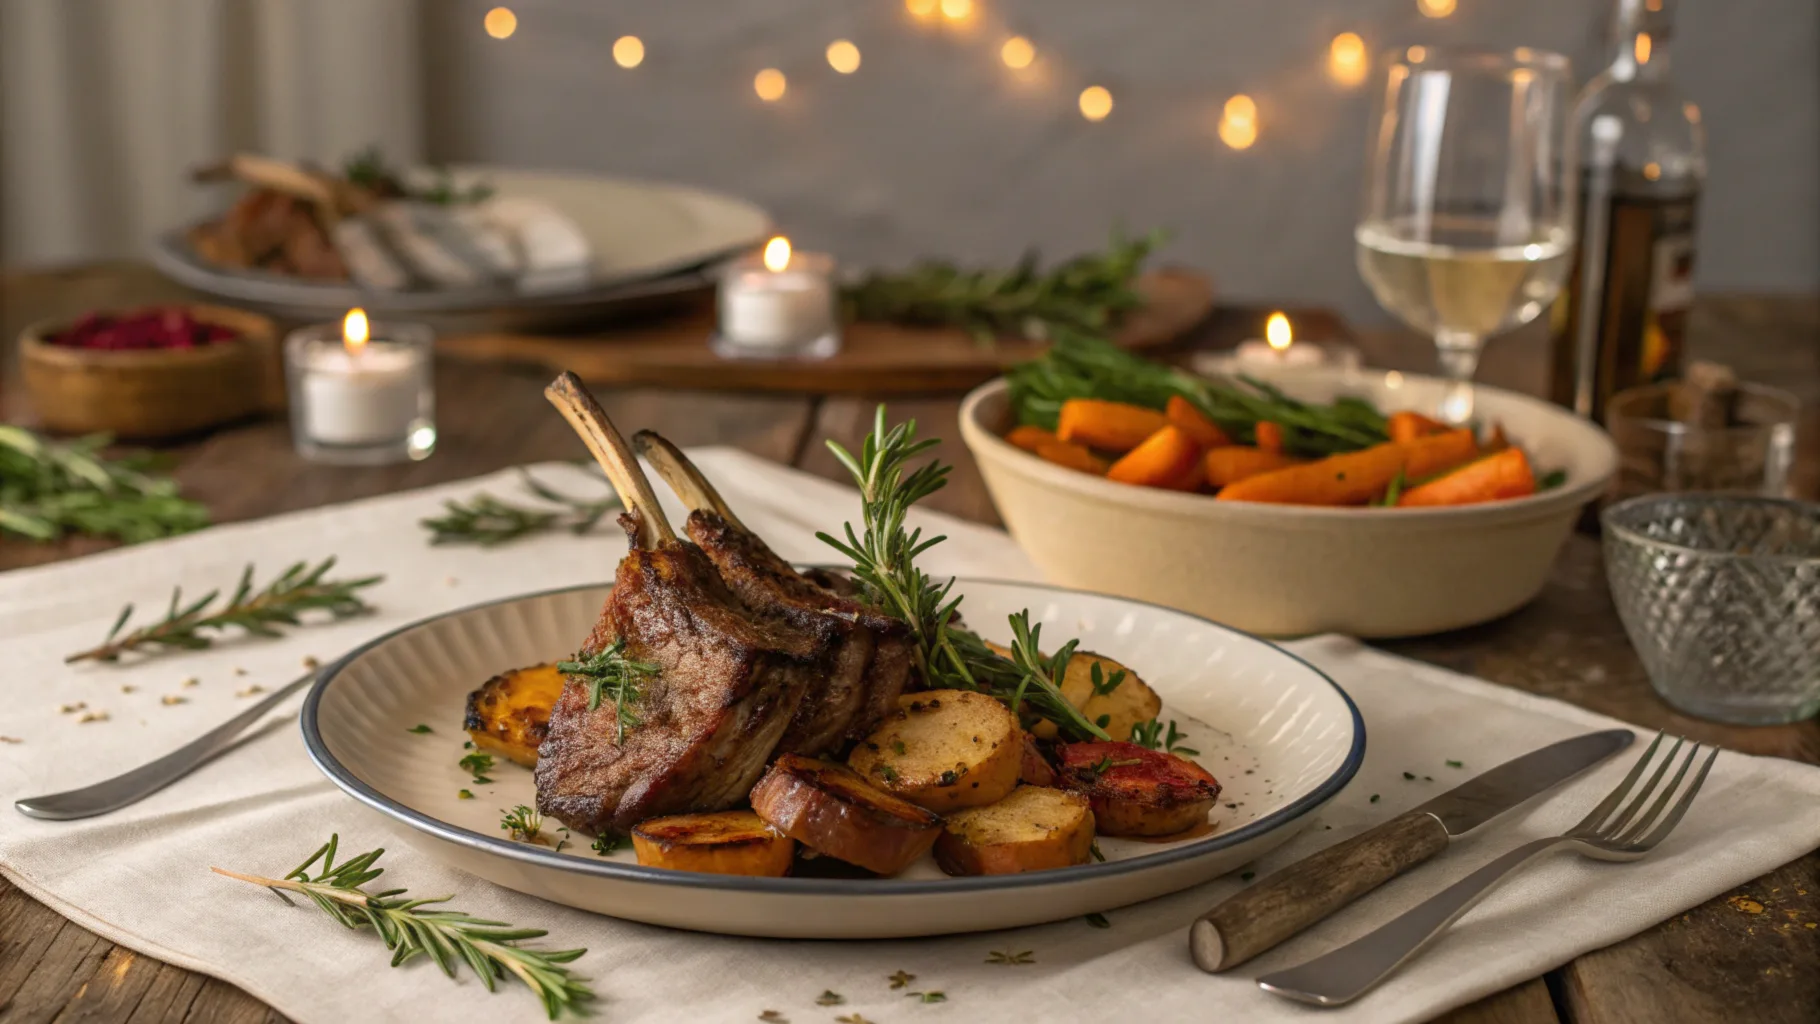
x: 1752, y: 452
x: 358, y: 400
x: 778, y: 307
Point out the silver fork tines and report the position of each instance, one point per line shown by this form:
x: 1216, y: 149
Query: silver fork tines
x: 1623, y: 827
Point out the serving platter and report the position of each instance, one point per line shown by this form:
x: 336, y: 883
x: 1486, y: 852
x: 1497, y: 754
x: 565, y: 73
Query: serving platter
x: 1281, y: 737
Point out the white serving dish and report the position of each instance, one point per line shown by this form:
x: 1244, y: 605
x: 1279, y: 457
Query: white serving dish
x: 1246, y: 705
x: 1286, y: 570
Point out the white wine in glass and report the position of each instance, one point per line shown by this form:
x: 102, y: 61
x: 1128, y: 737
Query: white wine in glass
x: 1467, y: 227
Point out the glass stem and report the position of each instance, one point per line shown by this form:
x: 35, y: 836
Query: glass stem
x: 1459, y: 352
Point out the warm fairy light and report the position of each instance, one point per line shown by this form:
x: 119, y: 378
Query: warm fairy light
x: 1277, y: 333
x: 354, y: 330
x: 628, y: 51
x: 843, y: 56
x: 1642, y: 48
x: 1239, y: 122
x: 920, y: 8
x: 1417, y: 54
x: 770, y: 85
x: 1096, y: 103
x: 957, y: 10
x: 1241, y: 108
x: 1017, y: 53
x: 1652, y: 170
x: 1346, y: 59
x: 1692, y: 112
x: 1435, y: 8
x: 501, y: 22
x: 777, y: 254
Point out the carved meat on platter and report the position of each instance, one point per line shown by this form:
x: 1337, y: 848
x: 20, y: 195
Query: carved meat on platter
x: 717, y: 688
x: 872, y: 651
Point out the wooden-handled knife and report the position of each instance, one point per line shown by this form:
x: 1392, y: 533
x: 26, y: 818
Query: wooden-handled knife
x: 1259, y: 917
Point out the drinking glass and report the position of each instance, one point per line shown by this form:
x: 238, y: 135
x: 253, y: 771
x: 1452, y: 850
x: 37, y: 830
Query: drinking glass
x: 1467, y: 227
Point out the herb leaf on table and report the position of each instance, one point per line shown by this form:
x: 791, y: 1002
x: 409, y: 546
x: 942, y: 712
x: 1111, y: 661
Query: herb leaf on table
x: 488, y: 521
x: 447, y: 937
x: 48, y: 489
x: 258, y: 612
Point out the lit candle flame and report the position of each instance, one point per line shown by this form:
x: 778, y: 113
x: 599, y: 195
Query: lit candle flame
x: 777, y: 254
x: 1276, y: 332
x: 354, y: 330
x: 1641, y: 50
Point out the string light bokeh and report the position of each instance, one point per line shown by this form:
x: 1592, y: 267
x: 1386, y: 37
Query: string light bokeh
x: 628, y: 51
x: 1435, y: 8
x: 1239, y: 122
x: 1017, y: 53
x: 843, y: 56
x: 500, y: 23
x: 1346, y: 61
x: 770, y: 85
x: 1096, y: 102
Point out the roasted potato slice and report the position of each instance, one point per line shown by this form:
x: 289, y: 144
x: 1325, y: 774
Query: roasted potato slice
x: 1035, y: 769
x: 944, y: 750
x: 1033, y: 829
x: 510, y: 713
x: 831, y: 810
x: 1136, y: 791
x: 721, y: 843
x: 1130, y: 702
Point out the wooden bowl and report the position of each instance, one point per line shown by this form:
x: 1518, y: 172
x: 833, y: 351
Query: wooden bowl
x: 156, y: 393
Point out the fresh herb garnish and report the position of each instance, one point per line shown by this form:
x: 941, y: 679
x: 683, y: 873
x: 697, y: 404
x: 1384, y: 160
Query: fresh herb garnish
x: 1103, y: 684
x: 610, y: 674
x: 523, y: 823
x: 1010, y: 958
x: 369, y: 170
x: 829, y: 997
x: 608, y: 843
x: 1551, y: 480
x: 1087, y: 293
x: 773, y: 1017
x: 464, y: 794
x: 1456, y: 764
x: 260, y: 613
x: 1094, y: 848
x: 1407, y: 776
x: 900, y: 979
x: 420, y: 729
x: 1247, y: 876
x: 1150, y: 734
x: 447, y: 937
x: 898, y: 748
x: 1374, y: 798
x: 929, y: 997
x: 477, y: 765
x: 886, y: 772
x: 1098, y: 920
x: 488, y: 521
x: 49, y: 488
x: 1393, y: 492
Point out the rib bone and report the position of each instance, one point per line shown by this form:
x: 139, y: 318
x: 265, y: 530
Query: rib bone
x: 682, y: 476
x: 609, y: 449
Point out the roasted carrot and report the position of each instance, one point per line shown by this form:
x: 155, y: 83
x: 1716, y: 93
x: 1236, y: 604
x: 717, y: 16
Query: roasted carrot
x: 1165, y: 459
x: 1206, y: 433
x: 1493, y: 478
x: 1030, y: 438
x: 1270, y: 437
x: 1408, y: 425
x: 1192, y: 479
x: 1355, y: 478
x: 1072, y: 456
x: 1233, y: 463
x: 1110, y: 426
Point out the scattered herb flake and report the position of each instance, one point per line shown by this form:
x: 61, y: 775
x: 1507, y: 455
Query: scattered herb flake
x: 420, y: 729
x: 900, y: 979
x: 1095, y: 850
x: 171, y: 698
x: 851, y: 1018
x: 930, y: 997
x: 773, y: 1017
x: 829, y: 997
x: 1374, y: 798
x: 10, y: 739
x: 1247, y: 876
x: 478, y: 765
x: 1455, y: 764
x: 462, y: 794
x: 91, y: 716
x: 1009, y: 958
x: 886, y: 772
x: 608, y: 844
x: 1409, y: 775
x: 1098, y: 920
x: 250, y: 691
x: 897, y: 747
x: 524, y: 823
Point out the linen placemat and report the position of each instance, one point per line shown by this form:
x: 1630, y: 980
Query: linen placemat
x: 140, y: 876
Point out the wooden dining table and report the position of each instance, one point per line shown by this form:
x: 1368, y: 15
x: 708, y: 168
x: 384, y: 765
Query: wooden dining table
x: 1752, y: 954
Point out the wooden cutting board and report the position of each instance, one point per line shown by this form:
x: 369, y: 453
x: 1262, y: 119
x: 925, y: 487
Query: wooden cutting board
x: 874, y: 357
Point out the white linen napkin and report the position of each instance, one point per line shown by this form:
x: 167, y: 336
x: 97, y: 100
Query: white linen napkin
x: 140, y: 876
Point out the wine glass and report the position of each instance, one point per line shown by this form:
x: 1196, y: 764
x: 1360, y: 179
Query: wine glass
x: 1467, y: 228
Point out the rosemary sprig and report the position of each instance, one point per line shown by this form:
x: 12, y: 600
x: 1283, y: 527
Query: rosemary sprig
x: 1088, y: 293
x: 259, y: 612
x: 488, y: 521
x: 610, y: 674
x: 1150, y: 734
x: 48, y: 489
x: 446, y: 937
x: 523, y: 823
x: 884, y: 556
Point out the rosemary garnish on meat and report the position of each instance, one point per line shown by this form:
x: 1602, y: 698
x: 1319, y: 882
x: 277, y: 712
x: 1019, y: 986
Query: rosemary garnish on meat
x: 884, y: 557
x: 259, y: 612
x: 446, y: 937
x: 51, y: 488
x: 488, y: 521
x: 611, y: 675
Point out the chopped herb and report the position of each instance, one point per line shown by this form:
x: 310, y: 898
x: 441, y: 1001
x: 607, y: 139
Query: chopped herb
x: 1104, y: 684
x: 929, y: 997
x: 1094, y: 848
x: 610, y: 673
x: 1172, y: 743
x: 829, y: 997
x: 1428, y: 778
x: 1103, y: 721
x: 898, y: 748
x: 901, y: 979
x: 1150, y: 734
x: 1009, y: 958
x: 469, y: 745
x: 608, y: 843
x: 462, y: 794
x: 1456, y: 764
x: 477, y: 765
x: 1247, y: 876
x: 1409, y: 775
x: 1551, y: 480
x: 524, y: 823
x: 851, y: 1018
x: 420, y: 729
x: 885, y: 771
x: 773, y: 1017
x: 1374, y: 798
x: 1098, y: 920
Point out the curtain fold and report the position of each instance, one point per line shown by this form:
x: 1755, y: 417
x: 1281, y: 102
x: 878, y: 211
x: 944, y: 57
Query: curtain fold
x: 105, y: 105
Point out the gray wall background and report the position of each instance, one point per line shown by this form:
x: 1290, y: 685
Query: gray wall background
x: 935, y: 148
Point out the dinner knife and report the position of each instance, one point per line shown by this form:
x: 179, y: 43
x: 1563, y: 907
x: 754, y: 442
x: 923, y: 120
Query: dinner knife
x: 1283, y: 904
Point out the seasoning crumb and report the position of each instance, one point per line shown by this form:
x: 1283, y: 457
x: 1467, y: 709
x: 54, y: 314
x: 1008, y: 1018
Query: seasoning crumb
x: 70, y: 709
x: 1409, y: 775
x: 1374, y: 798
x: 127, y: 688
x: 10, y: 739
x: 92, y: 716
x: 420, y: 729
x: 829, y: 997
x: 1745, y: 905
x: 773, y: 1017
x: 249, y: 691
x: 1248, y: 876
x: 171, y: 698
x: 239, y: 671
x: 309, y: 661
x: 191, y: 681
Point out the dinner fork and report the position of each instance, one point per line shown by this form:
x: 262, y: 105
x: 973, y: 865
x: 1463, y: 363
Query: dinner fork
x: 1610, y: 832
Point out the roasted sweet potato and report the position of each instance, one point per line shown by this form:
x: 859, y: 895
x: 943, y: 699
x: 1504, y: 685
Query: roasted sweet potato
x: 1035, y: 769
x: 1136, y: 791
x: 944, y: 750
x: 1033, y: 829
x: 831, y: 810
x: 510, y: 713
x: 721, y: 843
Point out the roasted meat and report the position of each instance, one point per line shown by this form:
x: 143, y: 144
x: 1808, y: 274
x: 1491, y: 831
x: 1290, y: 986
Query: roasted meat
x: 871, y: 656
x: 727, y: 686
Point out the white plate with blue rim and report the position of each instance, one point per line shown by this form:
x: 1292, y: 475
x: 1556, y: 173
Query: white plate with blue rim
x: 1281, y: 738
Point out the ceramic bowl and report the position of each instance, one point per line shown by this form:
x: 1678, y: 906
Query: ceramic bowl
x: 1279, y: 735
x: 1282, y: 570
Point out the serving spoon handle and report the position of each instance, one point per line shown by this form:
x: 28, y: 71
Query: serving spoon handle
x: 134, y: 786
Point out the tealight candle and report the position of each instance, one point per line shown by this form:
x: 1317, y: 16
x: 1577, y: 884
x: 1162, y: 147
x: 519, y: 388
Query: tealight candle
x: 1278, y: 350
x: 361, y: 392
x: 778, y: 306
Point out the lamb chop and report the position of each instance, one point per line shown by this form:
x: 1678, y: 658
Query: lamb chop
x: 727, y: 685
x: 872, y: 652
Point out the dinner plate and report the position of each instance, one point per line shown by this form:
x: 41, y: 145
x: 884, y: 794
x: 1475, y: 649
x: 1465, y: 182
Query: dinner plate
x: 646, y: 238
x: 1280, y: 736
